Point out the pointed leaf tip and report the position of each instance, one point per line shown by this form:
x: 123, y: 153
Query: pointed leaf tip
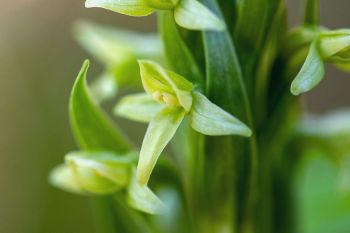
x: 92, y: 128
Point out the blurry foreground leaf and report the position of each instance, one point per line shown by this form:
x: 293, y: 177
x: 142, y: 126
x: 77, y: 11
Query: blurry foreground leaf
x: 118, y: 50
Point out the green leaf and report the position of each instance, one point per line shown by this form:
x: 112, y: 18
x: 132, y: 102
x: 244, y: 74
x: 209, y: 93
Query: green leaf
x: 191, y: 14
x: 178, y: 54
x: 93, y: 129
x: 127, y: 7
x: 253, y: 27
x: 166, y: 86
x: 101, y: 172
x: 159, y: 132
x: 142, y: 198
x: 62, y: 177
x: 226, y: 88
x: 311, y: 73
x: 225, y: 84
x: 209, y: 119
x: 138, y: 107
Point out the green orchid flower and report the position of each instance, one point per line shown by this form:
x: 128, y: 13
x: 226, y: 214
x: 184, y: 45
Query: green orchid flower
x: 169, y: 98
x: 189, y: 14
x: 93, y: 173
x: 328, y: 46
x: 105, y: 173
x: 117, y: 50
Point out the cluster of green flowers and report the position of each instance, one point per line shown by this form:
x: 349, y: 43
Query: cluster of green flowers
x: 102, y: 168
x: 107, y: 163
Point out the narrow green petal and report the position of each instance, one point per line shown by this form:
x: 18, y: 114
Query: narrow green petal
x: 126, y: 7
x: 160, y: 131
x: 311, y: 73
x: 153, y: 77
x: 182, y: 89
x: 138, y: 107
x: 142, y: 198
x: 191, y: 14
x: 62, y: 177
x: 209, y: 119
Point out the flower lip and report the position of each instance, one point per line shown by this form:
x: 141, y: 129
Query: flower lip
x: 165, y: 98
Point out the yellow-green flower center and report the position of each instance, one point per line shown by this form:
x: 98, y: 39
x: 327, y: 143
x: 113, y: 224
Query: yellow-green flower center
x: 166, y: 98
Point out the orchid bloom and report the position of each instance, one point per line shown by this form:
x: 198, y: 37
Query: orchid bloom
x: 170, y: 97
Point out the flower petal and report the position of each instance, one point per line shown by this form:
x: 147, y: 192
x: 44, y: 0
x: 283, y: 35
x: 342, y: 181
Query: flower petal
x: 311, y: 73
x: 142, y: 198
x: 138, y: 107
x: 160, y: 131
x: 209, y: 119
x: 62, y: 177
x: 156, y: 79
x: 334, y: 42
x: 191, y: 14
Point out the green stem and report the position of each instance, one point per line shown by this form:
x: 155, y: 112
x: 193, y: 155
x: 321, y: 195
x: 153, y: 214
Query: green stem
x: 226, y: 87
x: 103, y: 214
x: 312, y: 14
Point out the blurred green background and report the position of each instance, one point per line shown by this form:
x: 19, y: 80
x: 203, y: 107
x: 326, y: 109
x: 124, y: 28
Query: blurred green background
x: 38, y: 64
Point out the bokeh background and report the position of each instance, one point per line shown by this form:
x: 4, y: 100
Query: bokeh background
x: 38, y: 64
